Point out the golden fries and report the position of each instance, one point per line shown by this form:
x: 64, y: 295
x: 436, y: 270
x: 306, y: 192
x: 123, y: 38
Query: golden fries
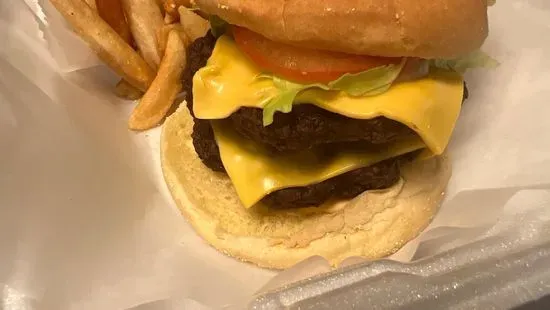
x: 171, y: 7
x: 111, y: 12
x: 169, y: 19
x: 92, y: 4
x: 126, y: 91
x: 165, y: 31
x: 145, y: 19
x: 160, y: 3
x: 106, y: 43
x: 111, y: 26
x: 158, y: 99
x: 194, y: 25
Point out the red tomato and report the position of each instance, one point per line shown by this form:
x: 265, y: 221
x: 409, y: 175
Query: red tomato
x: 303, y: 64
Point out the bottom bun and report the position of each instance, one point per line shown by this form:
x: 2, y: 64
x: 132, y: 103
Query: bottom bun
x: 372, y: 225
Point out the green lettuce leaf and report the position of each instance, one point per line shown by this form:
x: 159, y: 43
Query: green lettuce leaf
x: 367, y: 83
x: 284, y: 100
x: 477, y: 59
x: 218, y: 26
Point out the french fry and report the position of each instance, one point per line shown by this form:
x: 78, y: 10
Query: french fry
x: 193, y: 24
x: 111, y: 11
x: 165, y: 31
x: 106, y: 43
x: 92, y: 4
x: 171, y: 7
x: 126, y: 91
x: 145, y: 19
x: 158, y: 99
x: 160, y: 3
x: 169, y: 19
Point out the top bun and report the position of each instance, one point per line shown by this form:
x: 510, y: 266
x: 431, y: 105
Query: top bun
x: 393, y: 28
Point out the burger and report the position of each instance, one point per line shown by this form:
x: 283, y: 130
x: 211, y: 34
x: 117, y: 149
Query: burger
x: 319, y: 127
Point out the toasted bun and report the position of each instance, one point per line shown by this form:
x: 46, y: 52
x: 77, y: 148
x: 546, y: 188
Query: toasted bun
x: 373, y: 225
x: 414, y: 28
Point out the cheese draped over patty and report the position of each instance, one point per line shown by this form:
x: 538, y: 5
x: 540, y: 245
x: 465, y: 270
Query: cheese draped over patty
x: 429, y: 106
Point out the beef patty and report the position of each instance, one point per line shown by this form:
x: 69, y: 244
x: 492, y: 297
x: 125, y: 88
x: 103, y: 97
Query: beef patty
x: 306, y: 126
x: 345, y: 186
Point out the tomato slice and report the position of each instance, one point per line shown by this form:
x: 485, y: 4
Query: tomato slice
x: 303, y: 64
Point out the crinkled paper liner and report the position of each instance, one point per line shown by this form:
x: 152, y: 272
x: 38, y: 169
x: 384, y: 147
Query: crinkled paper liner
x: 108, y: 236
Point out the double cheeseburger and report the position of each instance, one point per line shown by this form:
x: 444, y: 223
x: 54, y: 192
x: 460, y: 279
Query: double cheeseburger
x: 319, y: 127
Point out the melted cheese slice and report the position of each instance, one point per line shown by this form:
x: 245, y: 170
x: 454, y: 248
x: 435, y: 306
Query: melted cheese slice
x: 429, y: 106
x: 256, y: 173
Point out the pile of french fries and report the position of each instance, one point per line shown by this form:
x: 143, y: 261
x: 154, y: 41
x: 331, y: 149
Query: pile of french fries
x: 144, y: 42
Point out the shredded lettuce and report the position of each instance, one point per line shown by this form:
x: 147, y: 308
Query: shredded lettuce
x: 367, y: 83
x: 477, y: 59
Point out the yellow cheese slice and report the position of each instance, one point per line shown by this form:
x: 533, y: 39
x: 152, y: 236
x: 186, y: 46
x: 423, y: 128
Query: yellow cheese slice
x: 429, y: 106
x: 256, y: 173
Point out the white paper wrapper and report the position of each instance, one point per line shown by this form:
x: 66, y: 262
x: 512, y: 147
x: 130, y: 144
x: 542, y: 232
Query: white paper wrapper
x: 87, y: 223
